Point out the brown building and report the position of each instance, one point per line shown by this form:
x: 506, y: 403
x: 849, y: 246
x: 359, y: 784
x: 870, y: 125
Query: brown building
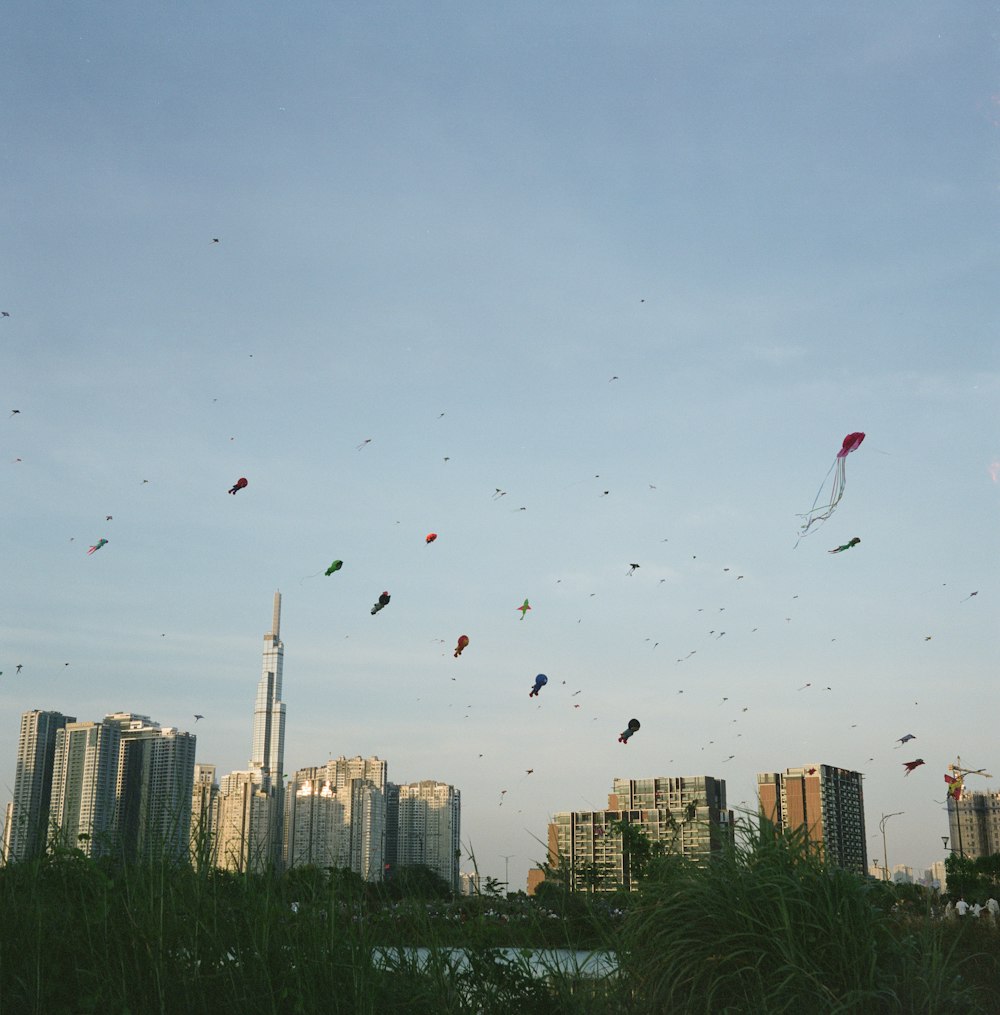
x: 826, y: 801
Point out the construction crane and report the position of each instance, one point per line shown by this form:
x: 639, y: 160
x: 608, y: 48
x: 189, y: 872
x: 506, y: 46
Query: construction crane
x: 961, y: 772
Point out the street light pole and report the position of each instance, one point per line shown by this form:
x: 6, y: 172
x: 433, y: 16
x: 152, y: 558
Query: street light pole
x: 881, y: 828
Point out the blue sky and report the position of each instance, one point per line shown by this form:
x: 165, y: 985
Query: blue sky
x: 672, y: 252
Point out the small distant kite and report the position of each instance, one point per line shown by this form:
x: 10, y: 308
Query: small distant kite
x: 19, y: 665
x: 463, y: 643
x: 524, y: 607
x: 846, y: 546
x: 240, y: 484
x: 540, y: 681
x: 430, y: 537
x: 911, y: 765
x: 632, y: 568
x: 335, y: 566
x: 906, y: 739
x: 954, y: 786
x: 633, y: 727
x: 383, y: 602
x: 97, y: 546
x: 818, y: 512
x: 970, y: 595
x: 197, y: 717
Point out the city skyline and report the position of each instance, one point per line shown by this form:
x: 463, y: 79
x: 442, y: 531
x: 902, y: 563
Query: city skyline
x: 573, y: 290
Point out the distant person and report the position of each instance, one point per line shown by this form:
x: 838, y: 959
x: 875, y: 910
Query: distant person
x: 961, y: 907
x: 949, y: 910
x: 976, y: 910
x: 994, y: 907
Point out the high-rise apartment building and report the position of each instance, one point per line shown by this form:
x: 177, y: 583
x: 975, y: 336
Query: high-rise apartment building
x: 686, y: 814
x: 335, y: 815
x: 827, y: 803
x: 28, y: 823
x: 247, y: 824
x: 429, y: 828
x: 205, y: 815
x: 153, y: 788
x: 84, y: 774
x: 974, y: 824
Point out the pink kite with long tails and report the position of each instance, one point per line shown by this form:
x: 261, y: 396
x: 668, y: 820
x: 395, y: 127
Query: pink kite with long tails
x: 818, y: 512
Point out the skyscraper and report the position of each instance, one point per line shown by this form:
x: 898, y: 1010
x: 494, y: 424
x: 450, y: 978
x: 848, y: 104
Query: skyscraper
x: 429, y: 827
x: 205, y: 815
x: 250, y: 803
x: 28, y: 824
x: 84, y: 773
x: 827, y: 803
x: 246, y: 824
x: 153, y: 788
x: 267, y: 758
x: 335, y: 815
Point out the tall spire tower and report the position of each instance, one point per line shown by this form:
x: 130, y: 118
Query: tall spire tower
x: 267, y: 760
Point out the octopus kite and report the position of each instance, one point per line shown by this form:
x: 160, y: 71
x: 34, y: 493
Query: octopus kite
x: 383, y: 602
x: 846, y: 546
x: 97, y: 546
x: 463, y: 643
x: 911, y: 765
x: 820, y: 513
x: 240, y: 484
x: 633, y: 727
x: 540, y: 681
x: 524, y: 607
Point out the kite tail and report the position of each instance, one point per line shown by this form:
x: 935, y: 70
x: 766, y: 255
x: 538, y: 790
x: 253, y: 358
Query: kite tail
x: 820, y: 514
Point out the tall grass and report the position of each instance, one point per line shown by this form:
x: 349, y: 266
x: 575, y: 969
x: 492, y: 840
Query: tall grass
x: 762, y: 929
x: 82, y: 935
x: 765, y: 928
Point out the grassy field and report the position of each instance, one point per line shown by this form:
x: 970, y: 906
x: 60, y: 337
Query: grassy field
x: 762, y: 929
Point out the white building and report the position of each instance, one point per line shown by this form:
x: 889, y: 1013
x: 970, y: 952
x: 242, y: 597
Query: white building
x: 28, y: 821
x: 84, y: 774
x: 429, y: 827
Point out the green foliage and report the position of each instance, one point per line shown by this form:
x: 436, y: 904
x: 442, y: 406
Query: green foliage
x: 760, y: 929
x: 976, y: 879
x: 766, y: 927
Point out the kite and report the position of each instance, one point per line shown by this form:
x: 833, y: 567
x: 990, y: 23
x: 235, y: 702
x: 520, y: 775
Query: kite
x: 383, y: 602
x: 463, y: 643
x: 911, y: 765
x: 540, y: 681
x: 954, y: 786
x: 197, y: 717
x: 632, y: 569
x: 969, y: 596
x: 633, y: 726
x: 524, y: 607
x: 19, y: 665
x: 908, y: 737
x: 431, y: 536
x: 335, y: 566
x: 820, y: 513
x: 846, y: 546
x: 241, y: 483
x: 97, y: 546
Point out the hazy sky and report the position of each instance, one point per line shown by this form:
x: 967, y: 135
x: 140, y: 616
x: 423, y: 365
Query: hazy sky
x: 639, y: 266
